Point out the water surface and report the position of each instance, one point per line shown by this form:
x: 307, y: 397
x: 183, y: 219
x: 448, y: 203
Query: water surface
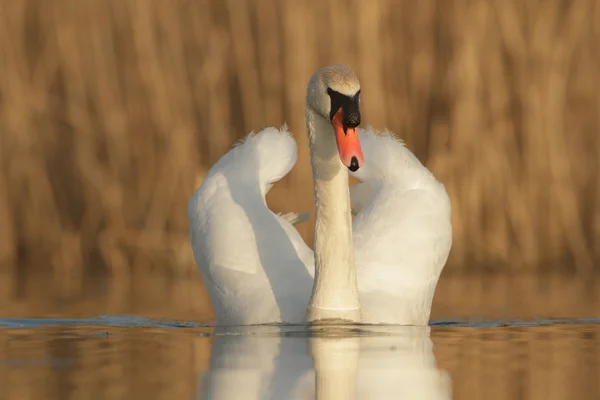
x: 122, y: 357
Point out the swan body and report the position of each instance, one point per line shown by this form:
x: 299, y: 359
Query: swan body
x: 382, y: 267
x: 255, y: 265
x: 402, y: 234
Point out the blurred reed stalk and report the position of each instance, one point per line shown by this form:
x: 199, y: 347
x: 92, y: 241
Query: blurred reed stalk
x: 111, y: 112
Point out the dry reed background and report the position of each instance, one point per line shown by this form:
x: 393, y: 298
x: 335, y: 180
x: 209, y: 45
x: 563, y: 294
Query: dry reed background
x: 111, y: 111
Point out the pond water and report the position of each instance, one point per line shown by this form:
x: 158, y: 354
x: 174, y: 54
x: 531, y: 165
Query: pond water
x: 120, y: 357
x: 100, y: 339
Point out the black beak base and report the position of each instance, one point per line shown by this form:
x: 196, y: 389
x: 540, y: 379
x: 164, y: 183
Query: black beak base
x: 349, y: 106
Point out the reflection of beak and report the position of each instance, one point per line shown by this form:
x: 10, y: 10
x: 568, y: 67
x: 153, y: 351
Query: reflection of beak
x: 347, y: 143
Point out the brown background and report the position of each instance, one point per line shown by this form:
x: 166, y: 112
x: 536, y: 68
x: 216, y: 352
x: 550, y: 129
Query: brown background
x: 112, y: 111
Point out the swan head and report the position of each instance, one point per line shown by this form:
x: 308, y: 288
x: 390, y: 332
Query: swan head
x: 333, y: 94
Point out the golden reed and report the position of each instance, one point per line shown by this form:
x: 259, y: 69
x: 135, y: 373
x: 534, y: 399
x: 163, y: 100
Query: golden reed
x: 111, y: 111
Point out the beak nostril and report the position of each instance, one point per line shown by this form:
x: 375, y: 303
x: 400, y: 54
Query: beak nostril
x: 354, y: 164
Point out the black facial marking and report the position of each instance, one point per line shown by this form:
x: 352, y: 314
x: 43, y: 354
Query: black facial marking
x: 349, y: 105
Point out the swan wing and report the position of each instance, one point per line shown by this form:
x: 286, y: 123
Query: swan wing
x: 254, y: 263
x: 402, y: 232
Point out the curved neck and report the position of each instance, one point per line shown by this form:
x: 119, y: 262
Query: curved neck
x: 335, y: 289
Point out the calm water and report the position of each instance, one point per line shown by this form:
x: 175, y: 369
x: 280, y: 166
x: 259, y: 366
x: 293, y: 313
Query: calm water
x: 130, y: 358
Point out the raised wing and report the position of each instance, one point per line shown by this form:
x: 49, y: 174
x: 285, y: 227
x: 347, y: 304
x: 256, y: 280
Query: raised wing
x: 254, y: 263
x: 402, y: 233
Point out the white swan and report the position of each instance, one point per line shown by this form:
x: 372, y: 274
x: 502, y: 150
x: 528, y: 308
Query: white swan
x: 381, y: 268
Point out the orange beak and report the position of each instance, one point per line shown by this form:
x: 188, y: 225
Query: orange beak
x: 347, y: 143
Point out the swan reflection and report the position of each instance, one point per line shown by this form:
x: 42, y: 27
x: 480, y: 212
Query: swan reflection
x: 341, y: 362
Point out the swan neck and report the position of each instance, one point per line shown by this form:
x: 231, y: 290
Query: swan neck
x: 335, y: 289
